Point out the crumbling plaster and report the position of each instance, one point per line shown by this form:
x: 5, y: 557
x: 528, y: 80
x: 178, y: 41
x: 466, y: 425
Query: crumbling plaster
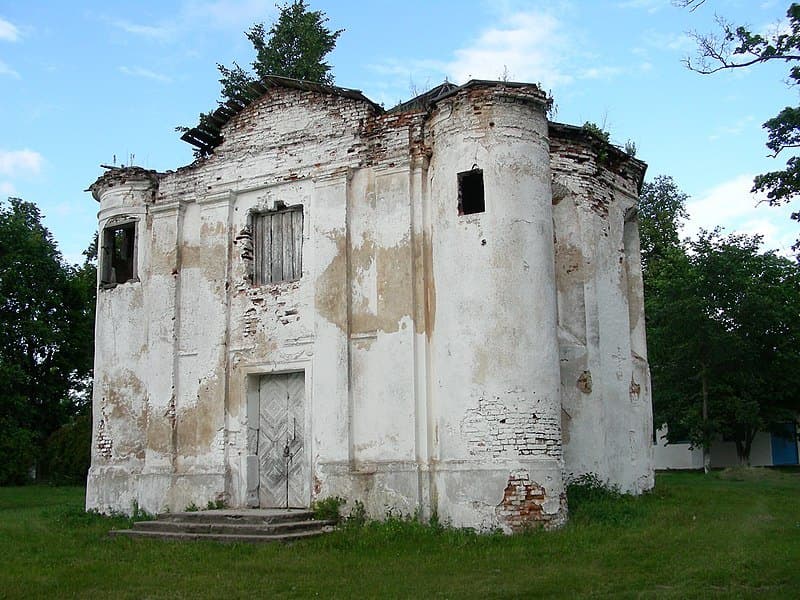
x: 441, y: 353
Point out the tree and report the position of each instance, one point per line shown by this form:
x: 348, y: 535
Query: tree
x: 66, y: 455
x: 674, y: 318
x: 295, y: 46
x: 753, y: 301
x: 46, y: 338
x: 662, y: 207
x: 723, y: 327
x: 737, y: 47
x: 690, y: 4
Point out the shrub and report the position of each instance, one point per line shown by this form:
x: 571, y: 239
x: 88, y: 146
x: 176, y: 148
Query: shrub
x: 17, y: 453
x: 328, y: 509
x: 67, y: 453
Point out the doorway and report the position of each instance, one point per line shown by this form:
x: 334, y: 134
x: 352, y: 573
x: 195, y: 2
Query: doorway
x: 282, y: 457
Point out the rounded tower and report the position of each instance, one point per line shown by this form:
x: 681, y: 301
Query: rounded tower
x: 121, y: 349
x: 493, y: 353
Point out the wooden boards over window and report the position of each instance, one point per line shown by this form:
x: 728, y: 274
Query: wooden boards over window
x: 278, y: 245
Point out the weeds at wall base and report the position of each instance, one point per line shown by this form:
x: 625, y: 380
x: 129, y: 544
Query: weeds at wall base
x: 592, y: 500
x: 328, y: 509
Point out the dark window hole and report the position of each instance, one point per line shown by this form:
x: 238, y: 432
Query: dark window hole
x: 470, y: 192
x: 118, y: 254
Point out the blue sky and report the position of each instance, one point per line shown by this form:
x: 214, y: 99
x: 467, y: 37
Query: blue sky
x: 85, y: 83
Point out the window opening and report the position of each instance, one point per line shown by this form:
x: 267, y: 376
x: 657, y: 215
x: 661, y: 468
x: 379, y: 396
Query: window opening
x: 470, y: 192
x: 278, y: 245
x: 119, y: 254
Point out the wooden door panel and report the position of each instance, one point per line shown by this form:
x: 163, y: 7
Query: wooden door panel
x: 283, y: 471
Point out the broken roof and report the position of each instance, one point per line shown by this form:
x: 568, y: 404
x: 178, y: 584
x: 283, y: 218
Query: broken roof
x: 617, y: 155
x: 119, y: 175
x: 207, y: 134
x: 426, y: 99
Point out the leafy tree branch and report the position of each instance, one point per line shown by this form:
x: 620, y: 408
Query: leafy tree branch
x: 736, y: 47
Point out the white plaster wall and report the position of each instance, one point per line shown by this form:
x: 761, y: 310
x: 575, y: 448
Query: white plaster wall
x: 493, y: 351
x: 381, y: 317
x: 605, y: 383
x: 331, y: 400
x: 270, y: 327
x: 207, y: 341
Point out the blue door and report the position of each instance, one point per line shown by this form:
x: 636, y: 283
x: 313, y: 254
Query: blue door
x: 784, y: 447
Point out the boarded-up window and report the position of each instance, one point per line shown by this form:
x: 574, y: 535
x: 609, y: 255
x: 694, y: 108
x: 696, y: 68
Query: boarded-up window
x: 278, y: 245
x: 118, y: 254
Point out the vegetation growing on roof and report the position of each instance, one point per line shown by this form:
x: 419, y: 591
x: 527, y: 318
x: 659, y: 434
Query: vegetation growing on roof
x: 295, y: 47
x: 596, y: 130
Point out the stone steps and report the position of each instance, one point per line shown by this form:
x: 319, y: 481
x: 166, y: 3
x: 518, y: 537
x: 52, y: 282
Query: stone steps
x: 253, y: 525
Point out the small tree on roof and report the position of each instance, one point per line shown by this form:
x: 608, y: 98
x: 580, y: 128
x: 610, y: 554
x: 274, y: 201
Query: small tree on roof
x: 295, y: 46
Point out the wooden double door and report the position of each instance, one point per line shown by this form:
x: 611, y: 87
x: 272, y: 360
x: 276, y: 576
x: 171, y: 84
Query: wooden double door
x: 282, y: 446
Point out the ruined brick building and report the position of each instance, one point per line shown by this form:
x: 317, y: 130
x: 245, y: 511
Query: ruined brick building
x: 436, y: 307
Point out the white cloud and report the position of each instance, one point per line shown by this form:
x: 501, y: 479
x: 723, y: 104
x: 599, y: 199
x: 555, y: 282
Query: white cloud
x: 531, y: 45
x: 155, y: 32
x: 650, y: 6
x: 603, y: 72
x: 732, y: 206
x: 8, y: 31
x: 780, y: 26
x: 193, y: 15
x: 732, y: 129
x: 6, y: 189
x: 6, y: 70
x: 526, y: 46
x: 408, y: 67
x: 20, y: 162
x: 146, y: 73
x: 681, y: 42
x: 413, y: 77
x: 236, y: 14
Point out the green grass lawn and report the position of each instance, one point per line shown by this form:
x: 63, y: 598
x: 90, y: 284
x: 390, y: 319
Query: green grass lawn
x: 727, y: 534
